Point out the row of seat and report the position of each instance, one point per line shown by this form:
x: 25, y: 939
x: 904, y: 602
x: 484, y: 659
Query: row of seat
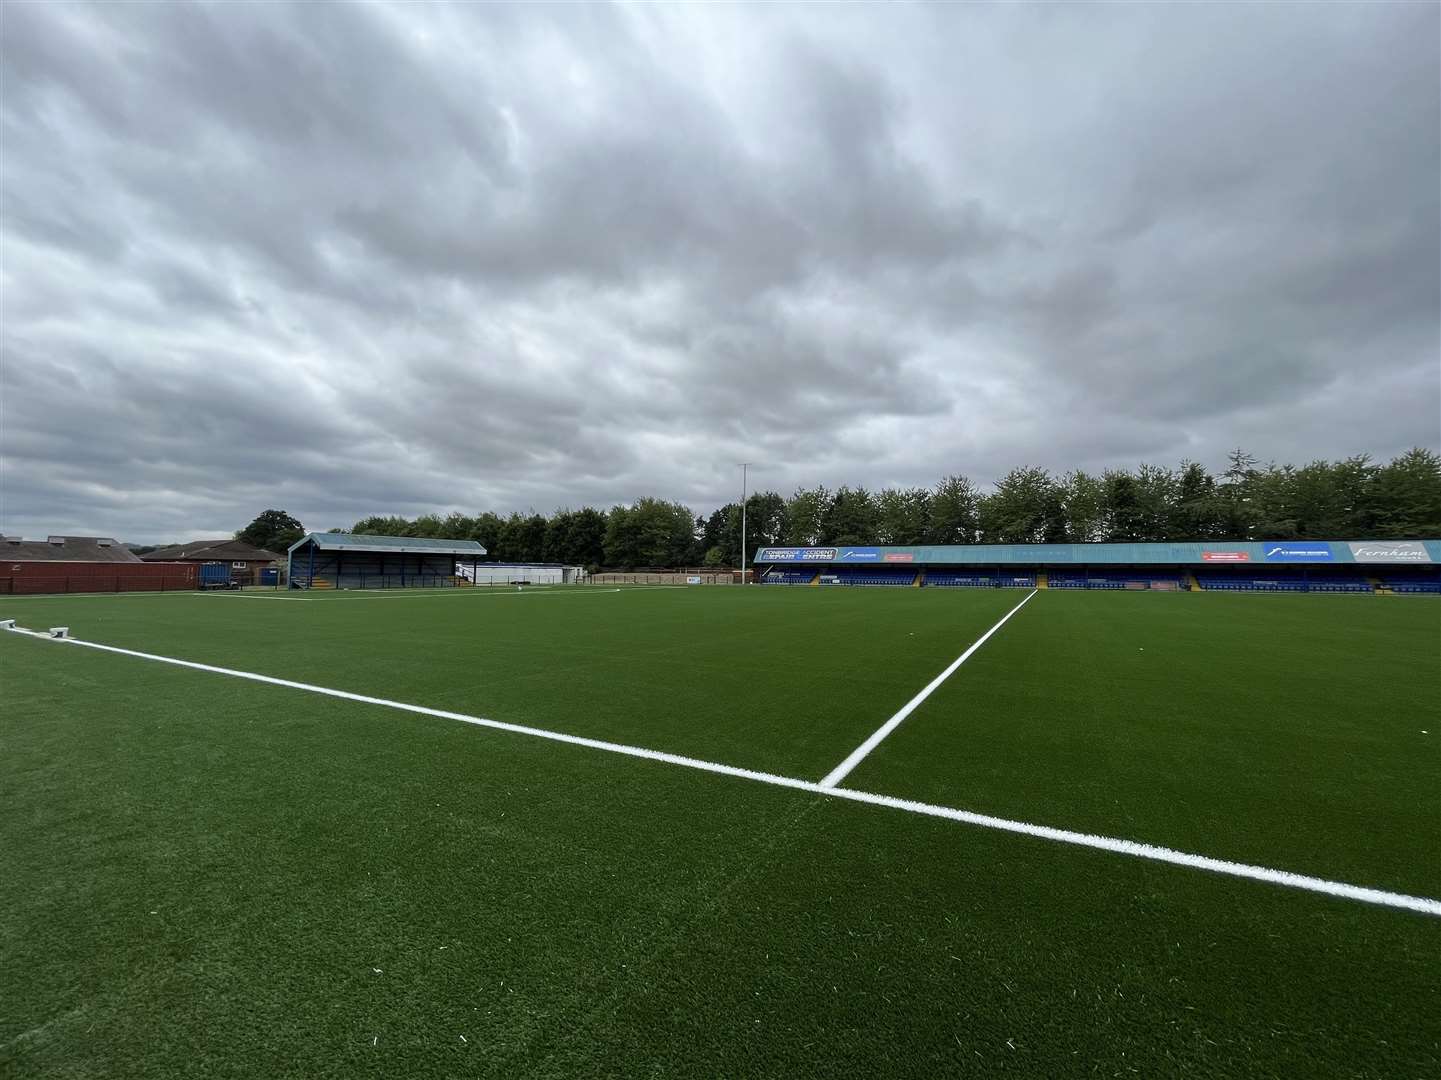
x: 1132, y: 582
x: 1243, y: 584
x: 870, y: 577
x: 789, y: 577
x: 936, y: 580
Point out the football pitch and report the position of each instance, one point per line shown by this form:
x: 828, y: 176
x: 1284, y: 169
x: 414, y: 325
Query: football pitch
x: 721, y: 832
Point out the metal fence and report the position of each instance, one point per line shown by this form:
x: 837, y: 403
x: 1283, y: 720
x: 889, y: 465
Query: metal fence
x: 34, y: 584
x: 668, y: 577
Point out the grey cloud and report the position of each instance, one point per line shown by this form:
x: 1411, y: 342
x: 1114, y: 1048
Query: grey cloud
x: 349, y: 259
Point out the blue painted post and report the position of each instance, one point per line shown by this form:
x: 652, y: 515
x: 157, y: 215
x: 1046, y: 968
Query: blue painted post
x: 310, y: 578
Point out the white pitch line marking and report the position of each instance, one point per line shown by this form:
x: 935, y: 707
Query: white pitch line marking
x: 257, y: 596
x: 1424, y: 905
x: 856, y: 756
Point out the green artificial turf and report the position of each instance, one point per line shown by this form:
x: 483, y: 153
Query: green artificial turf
x: 211, y: 877
x: 1299, y: 732
x: 759, y: 678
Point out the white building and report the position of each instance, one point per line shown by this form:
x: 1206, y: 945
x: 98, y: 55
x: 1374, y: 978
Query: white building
x: 519, y: 573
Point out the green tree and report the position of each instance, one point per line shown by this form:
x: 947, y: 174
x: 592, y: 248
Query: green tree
x: 427, y: 526
x: 955, y: 508
x: 511, y: 544
x: 1332, y: 498
x: 273, y: 530
x: 1157, y: 488
x: 1405, y: 496
x: 903, y: 516
x: 1123, y: 507
x: 717, y: 535
x: 382, y: 525
x: 1083, y: 501
x: 1270, y: 498
x: 651, y: 532
x: 1235, y: 497
x: 1025, y: 508
x: 1196, y: 513
x: 587, y: 538
x: 851, y: 518
x: 485, y: 529
x: 805, y: 516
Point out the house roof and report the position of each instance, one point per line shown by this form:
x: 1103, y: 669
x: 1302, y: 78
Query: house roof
x: 421, y: 545
x: 66, y: 549
x: 211, y: 551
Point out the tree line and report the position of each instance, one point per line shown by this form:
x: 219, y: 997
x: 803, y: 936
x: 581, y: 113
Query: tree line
x: 1354, y: 497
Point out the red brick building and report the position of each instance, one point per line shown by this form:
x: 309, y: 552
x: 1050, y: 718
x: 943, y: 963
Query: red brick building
x: 245, y: 560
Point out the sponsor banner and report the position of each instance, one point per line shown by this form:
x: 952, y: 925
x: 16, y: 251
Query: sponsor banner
x: 860, y: 554
x: 1226, y: 556
x: 1298, y: 552
x: 1390, y: 551
x: 773, y: 555
x: 692, y: 580
x: 900, y: 556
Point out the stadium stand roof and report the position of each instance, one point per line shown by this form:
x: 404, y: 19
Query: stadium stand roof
x: 90, y: 549
x: 416, y: 545
x: 211, y: 551
x: 1271, y: 552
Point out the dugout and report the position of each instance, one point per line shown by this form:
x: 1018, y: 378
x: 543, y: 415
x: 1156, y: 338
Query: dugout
x: 1333, y: 566
x: 356, y: 561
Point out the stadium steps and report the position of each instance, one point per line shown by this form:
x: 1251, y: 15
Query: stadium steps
x: 816, y: 580
x: 1043, y: 579
x: 321, y: 583
x: 1379, y: 585
x: 1191, y: 583
x: 920, y: 576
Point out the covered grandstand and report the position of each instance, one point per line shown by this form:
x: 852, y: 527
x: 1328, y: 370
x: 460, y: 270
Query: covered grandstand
x: 333, y: 560
x: 1333, y: 566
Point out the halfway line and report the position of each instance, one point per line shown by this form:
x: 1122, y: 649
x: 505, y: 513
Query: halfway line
x: 1422, y: 904
x: 856, y: 756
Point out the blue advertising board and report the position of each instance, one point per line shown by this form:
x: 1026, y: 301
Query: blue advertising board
x: 1298, y: 551
x: 860, y: 554
x: 795, y: 554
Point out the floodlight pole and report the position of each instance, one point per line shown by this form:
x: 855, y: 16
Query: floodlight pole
x: 744, y: 465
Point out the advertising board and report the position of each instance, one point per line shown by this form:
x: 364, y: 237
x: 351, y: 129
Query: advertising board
x: 796, y: 554
x: 1298, y: 551
x: 1390, y: 551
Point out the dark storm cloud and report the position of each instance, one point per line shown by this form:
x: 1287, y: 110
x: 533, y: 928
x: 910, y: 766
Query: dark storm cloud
x: 394, y: 258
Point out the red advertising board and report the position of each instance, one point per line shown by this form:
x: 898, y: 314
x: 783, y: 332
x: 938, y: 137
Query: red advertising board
x: 1226, y: 556
x: 900, y: 556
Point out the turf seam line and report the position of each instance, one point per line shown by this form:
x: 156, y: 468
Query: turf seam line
x: 856, y: 756
x: 1341, y: 889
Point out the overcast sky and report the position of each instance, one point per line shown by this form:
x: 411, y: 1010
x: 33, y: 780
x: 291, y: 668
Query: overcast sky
x: 351, y: 259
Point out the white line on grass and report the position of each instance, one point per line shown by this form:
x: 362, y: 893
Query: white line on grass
x: 1425, y: 905
x: 856, y: 756
x: 256, y: 596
